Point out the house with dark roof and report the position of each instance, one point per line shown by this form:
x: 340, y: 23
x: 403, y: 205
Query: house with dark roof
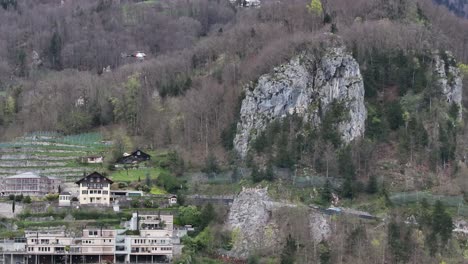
x: 136, y: 157
x: 94, y: 189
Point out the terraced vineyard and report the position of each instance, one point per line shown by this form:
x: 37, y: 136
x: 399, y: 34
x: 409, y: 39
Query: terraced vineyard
x: 51, y: 154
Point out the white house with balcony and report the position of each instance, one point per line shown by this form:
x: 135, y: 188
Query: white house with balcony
x: 94, y: 190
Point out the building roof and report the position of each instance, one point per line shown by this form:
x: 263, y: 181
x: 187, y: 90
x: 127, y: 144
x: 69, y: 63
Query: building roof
x: 65, y: 193
x: 95, y: 175
x: 135, y: 157
x: 25, y: 175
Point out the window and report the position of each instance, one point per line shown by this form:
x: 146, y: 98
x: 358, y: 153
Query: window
x: 93, y: 233
x: 84, y: 192
x: 105, y: 192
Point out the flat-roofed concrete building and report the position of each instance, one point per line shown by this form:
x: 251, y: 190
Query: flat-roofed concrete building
x: 29, y: 183
x: 65, y: 199
x: 148, y: 238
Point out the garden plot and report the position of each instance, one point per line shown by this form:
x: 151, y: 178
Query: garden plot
x: 49, y: 154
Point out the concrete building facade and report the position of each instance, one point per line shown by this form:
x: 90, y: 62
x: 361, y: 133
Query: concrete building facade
x: 29, y: 183
x: 148, y: 238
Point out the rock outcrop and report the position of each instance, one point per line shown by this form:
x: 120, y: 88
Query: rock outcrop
x: 448, y: 78
x: 257, y: 223
x: 306, y: 86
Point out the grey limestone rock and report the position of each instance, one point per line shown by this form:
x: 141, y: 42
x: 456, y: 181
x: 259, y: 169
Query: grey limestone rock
x: 253, y: 218
x: 448, y: 78
x: 306, y: 86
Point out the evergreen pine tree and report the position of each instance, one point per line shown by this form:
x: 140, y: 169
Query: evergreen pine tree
x: 442, y: 223
x: 347, y: 188
x: 288, y: 256
x: 55, y: 51
x: 326, y: 193
x: 345, y: 164
x: 372, y: 187
x: 148, y: 180
x: 324, y: 253
x: 208, y: 214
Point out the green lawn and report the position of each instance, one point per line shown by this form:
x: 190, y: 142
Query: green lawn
x: 134, y: 174
x: 157, y: 190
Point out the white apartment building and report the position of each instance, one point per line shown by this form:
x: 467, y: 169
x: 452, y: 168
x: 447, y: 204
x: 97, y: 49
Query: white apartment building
x: 29, y: 183
x: 148, y: 239
x: 153, y: 241
x: 94, y: 190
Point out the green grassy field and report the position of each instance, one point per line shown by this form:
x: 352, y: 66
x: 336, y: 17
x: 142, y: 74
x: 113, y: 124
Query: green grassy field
x: 157, y: 190
x: 135, y: 174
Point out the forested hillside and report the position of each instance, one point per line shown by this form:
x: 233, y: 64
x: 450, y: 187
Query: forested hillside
x: 459, y: 7
x: 351, y: 102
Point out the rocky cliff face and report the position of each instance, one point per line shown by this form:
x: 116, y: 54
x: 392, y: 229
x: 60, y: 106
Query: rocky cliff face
x: 448, y: 78
x: 307, y: 86
x: 257, y: 223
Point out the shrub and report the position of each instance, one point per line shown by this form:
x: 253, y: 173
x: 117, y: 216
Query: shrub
x: 27, y: 199
x: 148, y: 203
x: 211, y: 164
x: 51, y: 197
x: 135, y: 203
x: 168, y: 182
x: 11, y: 197
x: 19, y: 198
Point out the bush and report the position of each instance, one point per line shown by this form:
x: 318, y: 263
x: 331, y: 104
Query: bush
x: 123, y: 185
x: 144, y: 188
x: 135, y: 203
x: 85, y: 215
x: 19, y: 198
x: 168, y: 182
x: 188, y: 215
x: 372, y: 186
x: 11, y: 197
x: 253, y: 259
x: 148, y: 203
x: 174, y: 163
x: 259, y: 175
x: 211, y: 164
x: 394, y: 115
x: 51, y: 197
x: 27, y: 199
